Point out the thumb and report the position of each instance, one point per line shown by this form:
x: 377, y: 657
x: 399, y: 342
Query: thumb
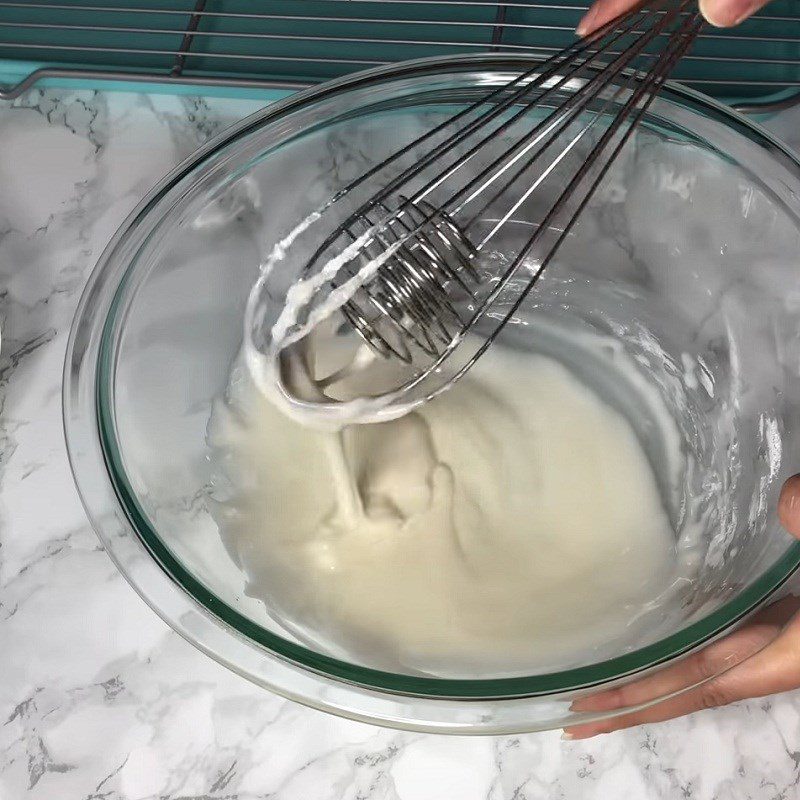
x: 789, y: 506
x: 726, y: 13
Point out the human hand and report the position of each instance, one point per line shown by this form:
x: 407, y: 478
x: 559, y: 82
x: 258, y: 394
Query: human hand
x: 759, y: 659
x: 721, y: 13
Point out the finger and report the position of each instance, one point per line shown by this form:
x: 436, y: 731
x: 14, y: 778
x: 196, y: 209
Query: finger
x: 738, y: 657
x: 789, y: 506
x: 698, y: 669
x: 774, y: 669
x: 700, y: 666
x: 601, y: 12
x: 726, y: 13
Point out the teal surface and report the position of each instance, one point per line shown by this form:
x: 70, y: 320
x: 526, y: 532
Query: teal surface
x: 307, y: 41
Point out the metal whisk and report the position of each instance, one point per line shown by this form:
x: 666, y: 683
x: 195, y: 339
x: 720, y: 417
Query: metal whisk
x: 410, y: 255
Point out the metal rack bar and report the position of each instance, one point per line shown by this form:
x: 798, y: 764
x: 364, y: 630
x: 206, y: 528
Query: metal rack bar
x: 496, y: 27
x: 292, y: 43
x: 152, y: 10
x: 334, y: 60
x: 245, y: 56
x: 505, y: 5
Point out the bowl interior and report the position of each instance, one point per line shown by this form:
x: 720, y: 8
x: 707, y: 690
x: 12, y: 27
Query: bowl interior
x: 683, y: 267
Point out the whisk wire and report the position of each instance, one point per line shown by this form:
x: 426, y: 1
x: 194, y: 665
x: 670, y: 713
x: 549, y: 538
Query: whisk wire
x: 495, y: 169
x: 564, y: 116
x: 410, y: 252
x: 608, y: 74
x: 527, y: 82
x: 548, y: 129
x: 550, y: 66
x: 688, y: 32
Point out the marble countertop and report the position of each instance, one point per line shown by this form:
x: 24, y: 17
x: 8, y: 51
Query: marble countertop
x: 99, y: 700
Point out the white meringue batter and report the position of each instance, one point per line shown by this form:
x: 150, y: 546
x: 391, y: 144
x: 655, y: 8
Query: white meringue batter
x: 511, y: 525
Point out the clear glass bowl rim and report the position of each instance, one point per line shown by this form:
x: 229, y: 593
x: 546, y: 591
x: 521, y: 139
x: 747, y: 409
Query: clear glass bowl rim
x: 104, y: 489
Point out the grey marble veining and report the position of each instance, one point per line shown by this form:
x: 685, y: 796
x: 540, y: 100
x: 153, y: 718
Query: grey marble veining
x: 98, y: 698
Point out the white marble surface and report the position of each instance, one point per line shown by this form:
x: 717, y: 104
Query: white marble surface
x: 98, y: 698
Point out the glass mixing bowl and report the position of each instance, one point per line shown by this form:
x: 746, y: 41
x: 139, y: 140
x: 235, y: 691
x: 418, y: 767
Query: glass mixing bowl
x: 684, y: 264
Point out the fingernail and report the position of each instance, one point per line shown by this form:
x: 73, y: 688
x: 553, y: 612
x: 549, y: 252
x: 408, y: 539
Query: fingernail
x: 725, y: 14
x: 567, y: 736
x: 710, y: 10
x: 747, y: 14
